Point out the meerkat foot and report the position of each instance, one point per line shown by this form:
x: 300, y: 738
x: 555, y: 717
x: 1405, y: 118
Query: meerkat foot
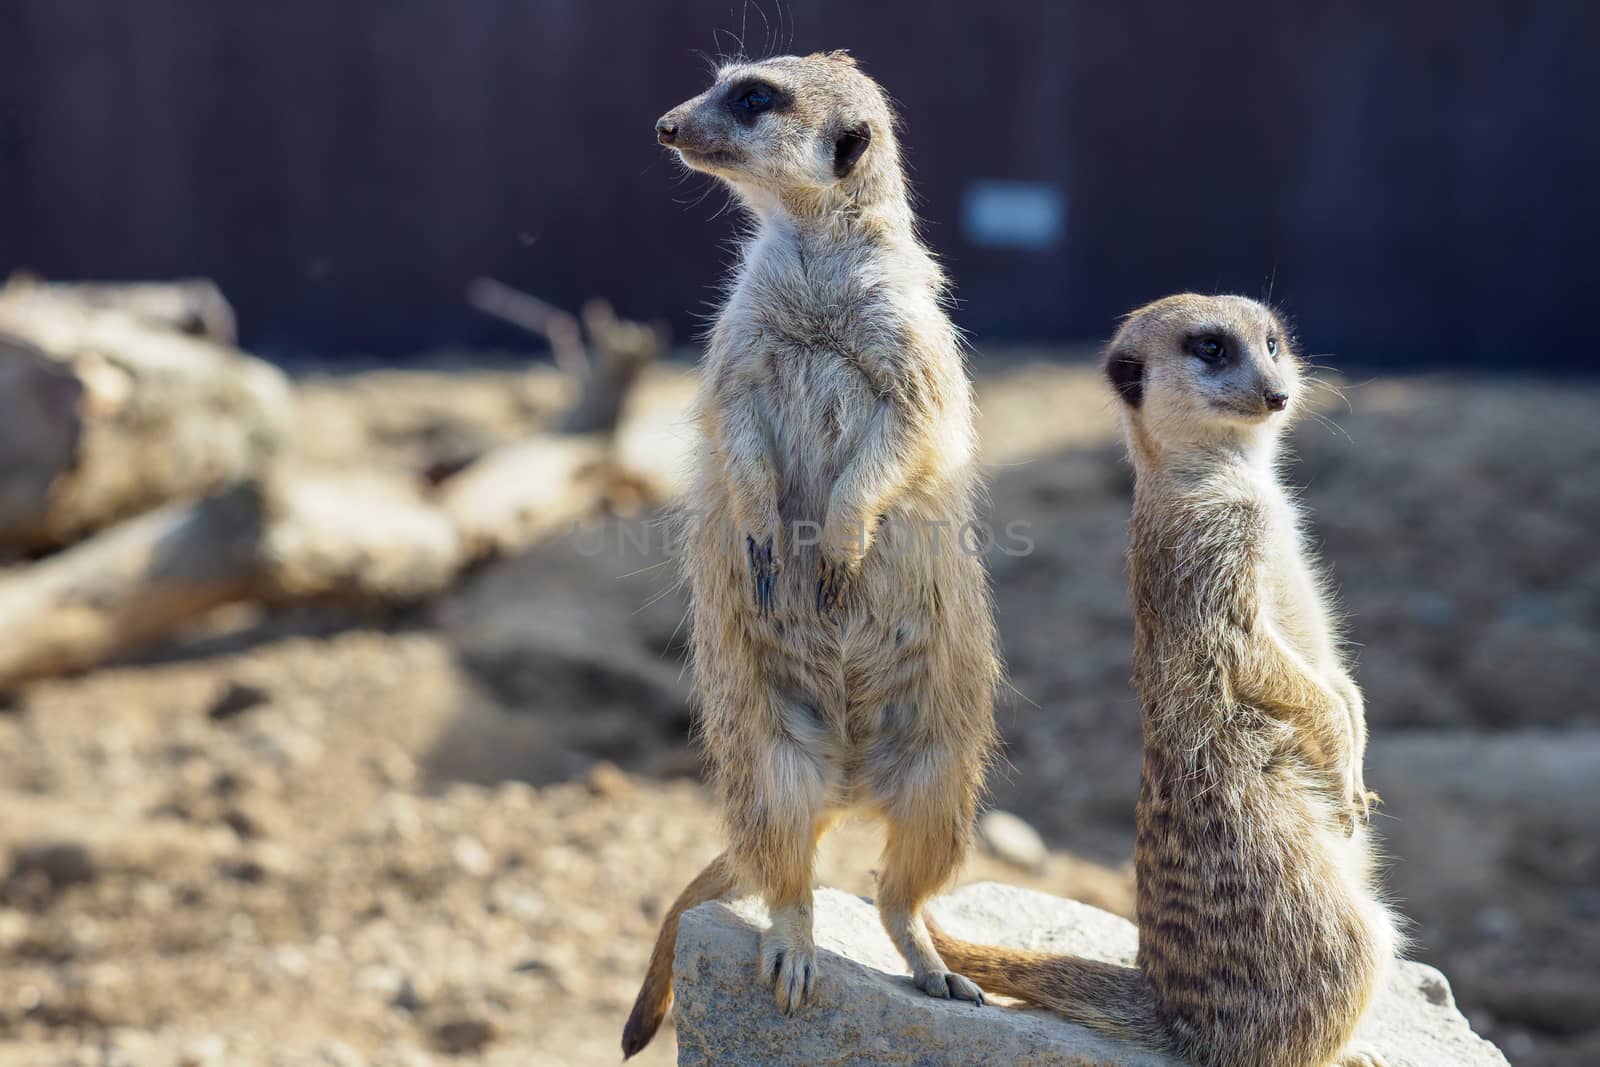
x: 792, y: 969
x: 1362, y: 1058
x: 763, y: 573
x: 947, y: 985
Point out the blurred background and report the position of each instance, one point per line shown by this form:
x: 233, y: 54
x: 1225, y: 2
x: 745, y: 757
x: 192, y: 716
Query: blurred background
x: 343, y: 375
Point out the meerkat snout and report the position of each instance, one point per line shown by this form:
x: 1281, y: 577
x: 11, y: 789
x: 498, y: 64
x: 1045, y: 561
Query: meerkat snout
x: 666, y: 130
x: 1275, y: 392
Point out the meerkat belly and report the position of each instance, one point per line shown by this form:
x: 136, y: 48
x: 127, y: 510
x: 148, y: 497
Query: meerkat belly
x: 857, y: 744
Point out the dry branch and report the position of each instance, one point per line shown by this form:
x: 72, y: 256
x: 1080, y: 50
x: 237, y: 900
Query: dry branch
x: 528, y: 312
x: 520, y: 493
x: 112, y: 417
x: 621, y: 350
x: 607, y: 366
x: 103, y: 416
x: 353, y: 540
x: 194, y: 306
x: 362, y: 540
x: 126, y: 587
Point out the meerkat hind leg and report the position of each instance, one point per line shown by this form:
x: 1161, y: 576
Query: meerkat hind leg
x: 922, y: 855
x: 781, y: 858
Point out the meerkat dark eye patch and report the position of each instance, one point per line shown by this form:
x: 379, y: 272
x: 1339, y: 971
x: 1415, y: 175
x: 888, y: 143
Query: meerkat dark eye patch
x: 849, y: 147
x: 749, y: 100
x: 1126, y: 372
x: 1218, y: 349
x: 1207, y: 347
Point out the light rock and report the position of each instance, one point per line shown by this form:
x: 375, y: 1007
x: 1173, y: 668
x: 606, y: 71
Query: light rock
x: 339, y: 1054
x: 471, y: 857
x: 866, y: 1010
x: 1009, y: 838
x: 209, y: 1050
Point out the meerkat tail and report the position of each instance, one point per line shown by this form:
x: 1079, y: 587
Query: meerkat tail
x: 1107, y: 997
x: 655, y: 995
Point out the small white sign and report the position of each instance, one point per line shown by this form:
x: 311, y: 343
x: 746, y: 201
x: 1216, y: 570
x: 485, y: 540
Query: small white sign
x: 997, y: 213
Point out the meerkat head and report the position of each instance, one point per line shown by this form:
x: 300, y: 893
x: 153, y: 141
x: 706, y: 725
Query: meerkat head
x: 798, y: 131
x: 1192, y: 368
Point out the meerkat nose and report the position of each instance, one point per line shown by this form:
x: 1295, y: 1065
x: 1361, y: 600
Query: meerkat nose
x: 1276, y: 399
x: 666, y: 131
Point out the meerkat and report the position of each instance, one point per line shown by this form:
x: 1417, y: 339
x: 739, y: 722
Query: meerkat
x: 1261, y: 936
x: 842, y: 635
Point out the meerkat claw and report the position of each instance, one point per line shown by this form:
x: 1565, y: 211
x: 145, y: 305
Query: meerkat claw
x: 964, y: 988
x: 1358, y: 812
x: 832, y: 581
x: 762, y: 573
x: 755, y: 567
x: 794, y: 977
x: 947, y: 985
x: 1366, y: 800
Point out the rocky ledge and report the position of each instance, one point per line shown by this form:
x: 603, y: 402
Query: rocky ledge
x: 867, y: 1012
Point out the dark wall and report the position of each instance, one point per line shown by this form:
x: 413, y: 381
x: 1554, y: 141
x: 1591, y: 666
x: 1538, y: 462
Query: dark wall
x: 1415, y: 182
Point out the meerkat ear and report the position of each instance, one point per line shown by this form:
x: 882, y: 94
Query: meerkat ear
x: 849, y: 146
x: 1125, y: 368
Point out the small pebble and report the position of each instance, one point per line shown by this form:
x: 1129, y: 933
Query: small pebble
x: 471, y: 857
x: 207, y: 1051
x: 462, y: 1034
x: 236, y: 699
x: 336, y: 1053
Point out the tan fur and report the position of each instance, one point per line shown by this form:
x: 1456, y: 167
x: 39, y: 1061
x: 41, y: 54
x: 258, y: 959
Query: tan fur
x: 1261, y: 938
x: 843, y: 643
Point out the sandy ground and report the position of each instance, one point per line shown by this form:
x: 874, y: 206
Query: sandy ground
x: 447, y: 838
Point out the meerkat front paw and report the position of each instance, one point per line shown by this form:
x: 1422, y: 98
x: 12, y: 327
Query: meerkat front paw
x: 1358, y: 805
x: 1369, y: 800
x: 833, y: 582
x: 1362, y: 1058
x: 763, y: 572
x: 947, y: 985
x: 792, y: 970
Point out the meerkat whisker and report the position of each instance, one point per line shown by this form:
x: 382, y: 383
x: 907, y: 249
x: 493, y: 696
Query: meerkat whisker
x: 644, y: 570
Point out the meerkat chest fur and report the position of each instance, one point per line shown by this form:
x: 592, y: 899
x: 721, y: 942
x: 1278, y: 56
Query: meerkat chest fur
x: 828, y: 334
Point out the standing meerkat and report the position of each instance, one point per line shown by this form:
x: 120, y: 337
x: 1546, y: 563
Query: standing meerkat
x: 1261, y: 937
x: 843, y: 636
